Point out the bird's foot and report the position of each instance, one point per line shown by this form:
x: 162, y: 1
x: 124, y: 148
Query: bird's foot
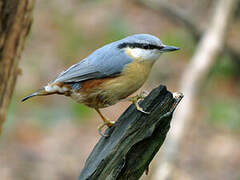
x: 139, y: 108
x: 105, y: 123
x: 136, y: 99
x: 142, y: 95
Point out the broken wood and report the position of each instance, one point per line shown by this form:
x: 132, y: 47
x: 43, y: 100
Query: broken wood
x: 133, y: 140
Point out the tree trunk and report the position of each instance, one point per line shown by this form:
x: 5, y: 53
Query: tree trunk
x: 15, y: 23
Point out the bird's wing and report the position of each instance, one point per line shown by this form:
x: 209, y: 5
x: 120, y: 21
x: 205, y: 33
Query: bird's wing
x: 104, y: 62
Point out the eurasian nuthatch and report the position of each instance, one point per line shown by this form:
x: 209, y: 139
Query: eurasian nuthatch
x: 109, y: 74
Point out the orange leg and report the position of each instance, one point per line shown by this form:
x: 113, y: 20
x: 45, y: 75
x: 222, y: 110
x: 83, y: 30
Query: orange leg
x: 106, y: 122
x: 135, y: 100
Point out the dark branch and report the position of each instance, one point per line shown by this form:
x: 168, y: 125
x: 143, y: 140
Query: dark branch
x: 133, y: 140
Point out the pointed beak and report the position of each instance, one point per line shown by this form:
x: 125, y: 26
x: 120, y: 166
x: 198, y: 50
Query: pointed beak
x: 169, y: 48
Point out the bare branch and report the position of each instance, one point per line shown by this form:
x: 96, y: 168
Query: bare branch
x: 205, y: 56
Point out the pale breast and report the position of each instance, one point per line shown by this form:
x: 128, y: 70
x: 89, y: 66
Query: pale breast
x: 132, y: 78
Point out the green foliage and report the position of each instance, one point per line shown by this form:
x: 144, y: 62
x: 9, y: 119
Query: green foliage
x: 71, y: 37
x: 80, y: 112
x: 224, y: 113
x: 225, y: 68
x: 74, y: 41
x: 11, y: 112
x: 116, y: 29
x: 180, y: 39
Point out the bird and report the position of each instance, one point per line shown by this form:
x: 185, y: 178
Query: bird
x: 109, y: 74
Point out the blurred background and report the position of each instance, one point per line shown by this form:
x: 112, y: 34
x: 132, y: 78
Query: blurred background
x: 51, y: 137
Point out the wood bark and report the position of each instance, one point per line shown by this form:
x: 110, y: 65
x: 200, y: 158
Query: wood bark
x: 133, y: 140
x: 15, y: 23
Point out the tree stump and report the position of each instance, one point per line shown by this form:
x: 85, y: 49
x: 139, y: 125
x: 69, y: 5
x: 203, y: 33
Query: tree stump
x: 133, y: 140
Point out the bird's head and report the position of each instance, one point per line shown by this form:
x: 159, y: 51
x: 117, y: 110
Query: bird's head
x: 144, y: 47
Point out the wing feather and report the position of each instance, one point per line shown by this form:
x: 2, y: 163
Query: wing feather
x: 104, y: 62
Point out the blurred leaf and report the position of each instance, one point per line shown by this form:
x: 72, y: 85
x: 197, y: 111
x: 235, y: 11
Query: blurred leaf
x: 80, y: 112
x: 116, y: 29
x: 224, y: 113
x: 10, y: 120
x: 72, y: 40
x: 224, y: 68
x: 180, y: 39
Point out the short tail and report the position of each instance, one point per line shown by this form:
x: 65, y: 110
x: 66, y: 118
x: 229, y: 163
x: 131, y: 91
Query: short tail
x: 55, y: 88
x: 39, y: 92
x: 27, y: 97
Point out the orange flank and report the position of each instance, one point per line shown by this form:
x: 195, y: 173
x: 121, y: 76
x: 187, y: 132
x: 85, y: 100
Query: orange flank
x: 93, y: 84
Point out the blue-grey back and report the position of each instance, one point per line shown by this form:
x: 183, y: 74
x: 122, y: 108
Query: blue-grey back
x: 106, y: 61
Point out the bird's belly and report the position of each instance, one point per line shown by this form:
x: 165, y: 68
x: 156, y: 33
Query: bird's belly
x: 122, y: 87
x: 109, y: 93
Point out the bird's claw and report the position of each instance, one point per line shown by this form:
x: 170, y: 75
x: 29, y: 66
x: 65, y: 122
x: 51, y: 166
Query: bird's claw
x: 100, y: 127
x: 143, y: 94
x: 135, y: 100
x: 140, y: 108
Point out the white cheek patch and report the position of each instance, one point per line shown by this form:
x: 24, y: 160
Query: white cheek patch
x: 144, y: 54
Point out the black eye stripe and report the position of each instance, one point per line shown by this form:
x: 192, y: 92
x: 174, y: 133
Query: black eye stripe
x: 139, y: 45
